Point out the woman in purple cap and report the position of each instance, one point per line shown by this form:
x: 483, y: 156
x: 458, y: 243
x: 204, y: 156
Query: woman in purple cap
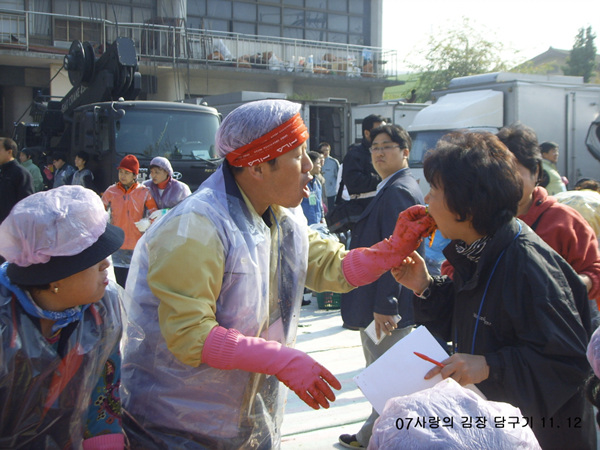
x: 165, y: 189
x: 60, y: 324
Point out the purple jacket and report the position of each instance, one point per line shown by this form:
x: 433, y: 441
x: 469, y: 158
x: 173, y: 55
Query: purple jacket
x: 171, y: 195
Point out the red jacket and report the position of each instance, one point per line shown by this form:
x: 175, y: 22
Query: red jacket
x: 567, y: 232
x: 128, y: 207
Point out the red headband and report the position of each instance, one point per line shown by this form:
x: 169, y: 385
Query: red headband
x: 276, y: 142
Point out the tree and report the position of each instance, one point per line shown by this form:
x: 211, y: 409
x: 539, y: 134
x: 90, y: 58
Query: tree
x: 582, y: 59
x: 458, y: 52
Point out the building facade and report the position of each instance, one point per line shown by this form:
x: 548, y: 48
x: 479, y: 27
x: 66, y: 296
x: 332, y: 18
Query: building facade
x: 305, y: 49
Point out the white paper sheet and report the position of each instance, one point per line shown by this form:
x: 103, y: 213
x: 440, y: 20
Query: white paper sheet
x: 400, y: 372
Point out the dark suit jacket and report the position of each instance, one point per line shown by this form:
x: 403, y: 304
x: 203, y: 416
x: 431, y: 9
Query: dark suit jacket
x: 377, y: 222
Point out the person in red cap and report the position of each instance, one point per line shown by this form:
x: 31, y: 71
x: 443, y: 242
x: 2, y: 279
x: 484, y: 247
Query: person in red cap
x: 128, y: 202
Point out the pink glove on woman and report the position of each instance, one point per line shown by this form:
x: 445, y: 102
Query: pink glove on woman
x: 366, y: 264
x: 229, y: 349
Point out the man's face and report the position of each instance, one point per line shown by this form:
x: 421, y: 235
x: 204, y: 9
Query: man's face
x: 285, y: 181
x: 58, y: 163
x: 326, y: 151
x: 387, y: 156
x: 551, y: 155
x: 5, y: 155
x: 22, y: 157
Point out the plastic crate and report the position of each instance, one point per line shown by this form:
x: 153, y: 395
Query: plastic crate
x: 329, y: 300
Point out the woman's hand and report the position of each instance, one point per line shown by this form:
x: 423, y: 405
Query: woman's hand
x: 412, y: 273
x: 463, y: 368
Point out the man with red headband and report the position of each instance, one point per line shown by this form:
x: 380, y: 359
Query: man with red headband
x: 215, y: 291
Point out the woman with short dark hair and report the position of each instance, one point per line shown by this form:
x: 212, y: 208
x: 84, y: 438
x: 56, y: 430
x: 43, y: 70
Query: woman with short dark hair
x: 516, y: 312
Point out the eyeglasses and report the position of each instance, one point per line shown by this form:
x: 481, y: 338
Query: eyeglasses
x: 383, y: 148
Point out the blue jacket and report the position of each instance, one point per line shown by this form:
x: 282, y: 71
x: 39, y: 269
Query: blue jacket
x: 313, y: 205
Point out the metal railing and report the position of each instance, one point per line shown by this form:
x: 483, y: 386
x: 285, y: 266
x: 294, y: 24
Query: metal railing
x: 176, y: 42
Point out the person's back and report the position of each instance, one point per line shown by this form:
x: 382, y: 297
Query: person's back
x: 16, y: 182
x: 358, y: 174
x: 25, y: 157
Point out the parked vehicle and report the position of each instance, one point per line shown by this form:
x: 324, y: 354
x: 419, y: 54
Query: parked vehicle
x: 559, y: 108
x: 395, y: 111
x: 332, y: 120
x: 101, y: 116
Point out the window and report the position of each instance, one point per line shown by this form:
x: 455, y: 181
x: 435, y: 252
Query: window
x: 338, y: 23
x: 338, y: 5
x: 244, y: 11
x: 316, y: 4
x: 196, y: 7
x: 269, y: 30
x: 356, y: 25
x: 269, y: 14
x: 293, y: 17
x: 356, y: 6
x: 244, y: 28
x: 219, y: 8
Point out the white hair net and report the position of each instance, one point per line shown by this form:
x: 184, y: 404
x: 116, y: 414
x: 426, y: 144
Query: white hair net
x: 251, y: 121
x: 593, y: 352
x: 162, y: 163
x: 60, y: 222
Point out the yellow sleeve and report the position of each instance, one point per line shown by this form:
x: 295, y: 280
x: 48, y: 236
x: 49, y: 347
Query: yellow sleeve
x: 325, y: 265
x: 186, y: 265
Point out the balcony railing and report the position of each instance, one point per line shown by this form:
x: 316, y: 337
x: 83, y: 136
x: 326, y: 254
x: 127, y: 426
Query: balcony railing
x: 160, y: 41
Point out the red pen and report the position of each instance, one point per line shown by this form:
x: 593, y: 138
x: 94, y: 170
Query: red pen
x: 431, y: 360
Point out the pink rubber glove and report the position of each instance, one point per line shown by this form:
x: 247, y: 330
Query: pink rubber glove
x: 366, y: 264
x: 114, y: 441
x: 229, y: 349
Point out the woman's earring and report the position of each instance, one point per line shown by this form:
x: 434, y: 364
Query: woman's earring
x: 55, y: 290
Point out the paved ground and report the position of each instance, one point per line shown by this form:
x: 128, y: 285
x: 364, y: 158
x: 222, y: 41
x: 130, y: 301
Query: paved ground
x: 321, y: 335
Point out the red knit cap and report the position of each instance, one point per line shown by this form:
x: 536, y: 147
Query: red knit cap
x: 131, y: 164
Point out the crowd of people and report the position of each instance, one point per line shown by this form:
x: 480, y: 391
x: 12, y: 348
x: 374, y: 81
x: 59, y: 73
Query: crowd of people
x: 198, y: 348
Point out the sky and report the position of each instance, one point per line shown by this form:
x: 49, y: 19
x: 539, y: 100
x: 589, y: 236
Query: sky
x: 526, y: 28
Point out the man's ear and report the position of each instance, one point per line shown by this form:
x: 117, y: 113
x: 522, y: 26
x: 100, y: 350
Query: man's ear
x: 256, y: 172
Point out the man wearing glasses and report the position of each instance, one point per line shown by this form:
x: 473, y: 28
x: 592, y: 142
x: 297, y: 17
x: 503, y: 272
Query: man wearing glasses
x: 383, y: 299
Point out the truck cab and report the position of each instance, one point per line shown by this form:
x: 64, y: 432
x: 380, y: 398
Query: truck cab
x: 182, y: 133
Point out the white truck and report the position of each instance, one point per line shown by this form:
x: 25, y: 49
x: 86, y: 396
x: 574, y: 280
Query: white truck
x: 559, y: 108
x: 395, y: 111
